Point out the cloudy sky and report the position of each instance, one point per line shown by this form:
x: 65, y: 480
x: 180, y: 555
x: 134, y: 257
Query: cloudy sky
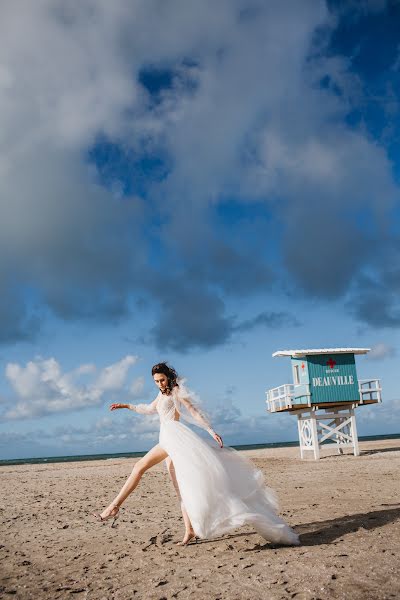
x: 201, y: 182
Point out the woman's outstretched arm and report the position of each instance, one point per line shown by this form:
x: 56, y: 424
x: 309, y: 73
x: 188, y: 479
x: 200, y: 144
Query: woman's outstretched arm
x: 143, y: 409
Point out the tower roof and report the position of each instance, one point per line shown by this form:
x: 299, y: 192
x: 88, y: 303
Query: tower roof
x: 307, y: 352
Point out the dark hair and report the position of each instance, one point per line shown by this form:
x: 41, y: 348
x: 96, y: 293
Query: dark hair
x: 164, y: 369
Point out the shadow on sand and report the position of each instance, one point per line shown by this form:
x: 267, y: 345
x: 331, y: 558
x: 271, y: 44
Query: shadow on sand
x: 338, y: 456
x: 326, y: 532
x: 368, y: 452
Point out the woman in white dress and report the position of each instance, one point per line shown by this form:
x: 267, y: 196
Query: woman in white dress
x: 219, y: 489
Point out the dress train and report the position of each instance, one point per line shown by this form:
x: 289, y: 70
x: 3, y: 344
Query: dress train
x: 221, y: 490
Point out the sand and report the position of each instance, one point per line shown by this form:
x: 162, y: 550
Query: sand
x: 345, y: 509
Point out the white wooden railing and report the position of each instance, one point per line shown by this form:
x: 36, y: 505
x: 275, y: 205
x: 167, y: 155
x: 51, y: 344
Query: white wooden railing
x: 280, y: 397
x: 370, y: 389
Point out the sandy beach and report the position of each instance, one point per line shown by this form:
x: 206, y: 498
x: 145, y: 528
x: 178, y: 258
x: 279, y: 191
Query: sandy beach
x: 345, y: 509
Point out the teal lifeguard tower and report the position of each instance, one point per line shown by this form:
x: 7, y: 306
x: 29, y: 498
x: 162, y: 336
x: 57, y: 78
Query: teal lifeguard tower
x: 324, y: 394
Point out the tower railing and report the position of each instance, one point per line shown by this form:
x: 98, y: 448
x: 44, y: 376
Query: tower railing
x: 280, y: 397
x: 370, y: 390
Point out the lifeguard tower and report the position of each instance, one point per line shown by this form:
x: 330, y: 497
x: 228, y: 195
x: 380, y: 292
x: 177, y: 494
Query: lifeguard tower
x: 324, y: 395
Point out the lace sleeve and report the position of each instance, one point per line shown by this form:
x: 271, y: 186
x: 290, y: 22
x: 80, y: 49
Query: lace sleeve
x: 145, y: 409
x: 188, y: 408
x: 198, y: 417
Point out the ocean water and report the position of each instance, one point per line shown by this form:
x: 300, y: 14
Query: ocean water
x: 84, y: 457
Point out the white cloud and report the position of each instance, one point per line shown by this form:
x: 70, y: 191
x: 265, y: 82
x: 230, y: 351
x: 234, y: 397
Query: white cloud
x: 114, y: 376
x: 56, y: 97
x: 375, y: 419
x: 381, y: 351
x: 42, y: 388
x: 137, y: 386
x: 245, y: 115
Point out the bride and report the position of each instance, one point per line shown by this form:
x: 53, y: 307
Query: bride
x: 218, y: 488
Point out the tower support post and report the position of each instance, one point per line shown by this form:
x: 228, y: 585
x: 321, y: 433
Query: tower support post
x: 336, y: 426
x: 353, y: 427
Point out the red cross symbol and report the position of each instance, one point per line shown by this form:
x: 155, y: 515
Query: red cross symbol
x: 303, y: 366
x: 331, y: 363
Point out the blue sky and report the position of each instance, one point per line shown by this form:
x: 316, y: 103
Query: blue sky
x: 203, y: 183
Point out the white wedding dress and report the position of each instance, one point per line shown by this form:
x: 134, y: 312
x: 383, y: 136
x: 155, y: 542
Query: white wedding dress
x: 220, y: 489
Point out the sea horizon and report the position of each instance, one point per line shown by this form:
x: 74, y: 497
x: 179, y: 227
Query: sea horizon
x: 107, y: 456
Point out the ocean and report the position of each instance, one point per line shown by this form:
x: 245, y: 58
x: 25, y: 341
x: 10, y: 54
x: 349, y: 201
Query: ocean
x: 84, y: 457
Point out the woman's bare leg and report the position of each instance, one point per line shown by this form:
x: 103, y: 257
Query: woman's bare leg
x: 153, y: 457
x: 189, y: 532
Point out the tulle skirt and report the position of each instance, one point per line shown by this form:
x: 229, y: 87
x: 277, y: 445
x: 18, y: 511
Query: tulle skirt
x: 221, y: 490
